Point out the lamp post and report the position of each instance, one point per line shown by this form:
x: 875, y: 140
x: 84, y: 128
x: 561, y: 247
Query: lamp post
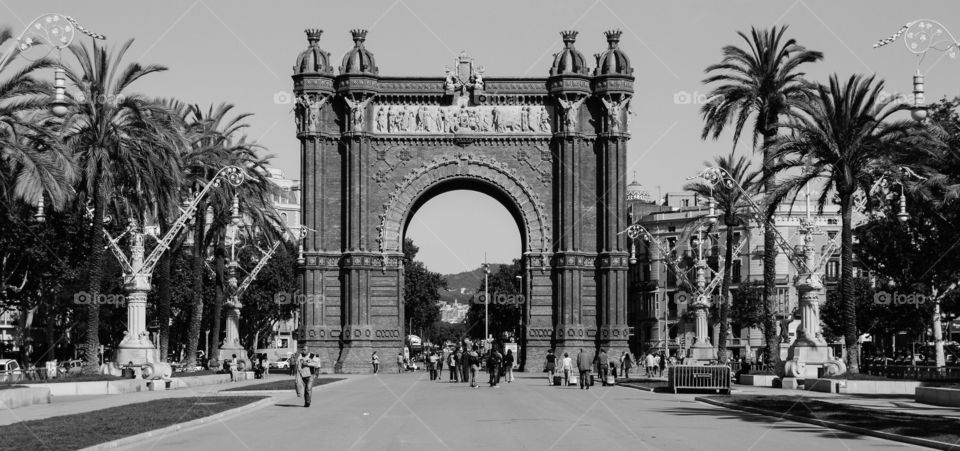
x: 920, y: 37
x: 56, y: 32
x: 486, y: 298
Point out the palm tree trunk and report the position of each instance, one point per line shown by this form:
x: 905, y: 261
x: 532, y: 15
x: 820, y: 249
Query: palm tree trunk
x: 219, y: 268
x: 850, y: 333
x: 94, y: 277
x: 196, y: 312
x: 769, y: 255
x: 725, y: 295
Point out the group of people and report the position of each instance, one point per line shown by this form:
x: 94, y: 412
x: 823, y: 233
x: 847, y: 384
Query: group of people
x: 605, y: 367
x: 463, y: 364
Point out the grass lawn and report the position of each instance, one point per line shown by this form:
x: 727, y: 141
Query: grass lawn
x: 920, y: 426
x: 91, y: 428
x: 285, y: 384
x: 195, y: 373
x: 656, y: 386
x: 861, y: 377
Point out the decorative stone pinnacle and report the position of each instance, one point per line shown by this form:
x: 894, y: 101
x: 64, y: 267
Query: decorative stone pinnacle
x: 313, y: 35
x: 569, y: 37
x: 613, y: 37
x: 359, y: 36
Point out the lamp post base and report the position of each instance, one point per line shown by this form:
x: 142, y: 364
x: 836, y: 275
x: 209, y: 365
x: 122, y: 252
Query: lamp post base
x: 136, y: 352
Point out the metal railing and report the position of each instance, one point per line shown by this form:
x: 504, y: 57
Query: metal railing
x: 919, y: 373
x: 692, y: 377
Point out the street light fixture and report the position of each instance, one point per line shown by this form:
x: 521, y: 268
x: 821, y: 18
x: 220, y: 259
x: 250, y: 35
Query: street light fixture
x: 921, y: 36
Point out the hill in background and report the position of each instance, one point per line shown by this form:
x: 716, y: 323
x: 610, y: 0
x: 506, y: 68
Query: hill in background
x: 463, y: 285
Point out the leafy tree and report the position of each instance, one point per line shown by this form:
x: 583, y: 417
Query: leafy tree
x: 764, y: 82
x: 421, y: 291
x: 505, y: 306
x: 747, y: 305
x: 729, y: 200
x: 842, y: 138
x: 260, y: 311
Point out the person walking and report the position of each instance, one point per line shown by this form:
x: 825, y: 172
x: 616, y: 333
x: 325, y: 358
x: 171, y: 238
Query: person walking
x: 375, y: 360
x: 399, y: 362
x: 508, y: 366
x: 465, y: 364
x: 441, y: 357
x: 567, y: 368
x: 551, y: 366
x: 473, y: 360
x: 306, y: 367
x: 600, y: 362
x: 494, y: 360
x: 626, y: 362
x: 661, y: 363
x: 432, y: 365
x: 649, y: 362
x: 584, y: 364
x: 452, y: 364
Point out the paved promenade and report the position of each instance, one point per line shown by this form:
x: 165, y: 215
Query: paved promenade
x: 409, y: 412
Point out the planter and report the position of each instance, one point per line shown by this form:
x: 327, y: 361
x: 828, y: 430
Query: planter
x: 857, y: 387
x: 22, y: 397
x: 758, y: 380
x: 937, y: 396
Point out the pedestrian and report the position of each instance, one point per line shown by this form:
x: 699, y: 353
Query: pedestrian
x: 399, y: 362
x: 626, y: 362
x: 306, y: 368
x: 465, y: 364
x: 649, y: 363
x: 551, y: 366
x: 584, y: 365
x: 375, y: 359
x: 452, y: 364
x: 473, y: 360
x: 661, y: 363
x: 508, y: 365
x: 432, y: 365
x: 494, y: 360
x: 600, y: 362
x: 441, y: 357
x: 567, y: 368
x: 234, y: 368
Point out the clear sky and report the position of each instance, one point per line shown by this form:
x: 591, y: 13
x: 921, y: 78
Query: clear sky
x: 242, y: 52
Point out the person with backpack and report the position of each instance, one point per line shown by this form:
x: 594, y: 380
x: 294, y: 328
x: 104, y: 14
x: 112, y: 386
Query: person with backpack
x: 494, y: 360
x: 508, y: 366
x: 473, y: 360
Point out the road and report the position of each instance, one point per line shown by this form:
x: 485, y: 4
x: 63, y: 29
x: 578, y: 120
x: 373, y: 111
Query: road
x: 409, y: 412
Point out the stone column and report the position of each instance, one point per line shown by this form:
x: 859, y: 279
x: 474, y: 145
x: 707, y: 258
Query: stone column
x: 702, y: 350
x: 231, y: 342
x: 136, y: 346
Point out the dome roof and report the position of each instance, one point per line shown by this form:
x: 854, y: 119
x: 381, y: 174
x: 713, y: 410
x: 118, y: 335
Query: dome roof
x: 313, y: 59
x: 613, y: 61
x: 359, y: 60
x: 635, y: 191
x: 569, y: 60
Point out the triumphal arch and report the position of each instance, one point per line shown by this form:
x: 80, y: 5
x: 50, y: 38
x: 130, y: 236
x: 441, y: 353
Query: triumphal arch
x: 374, y: 148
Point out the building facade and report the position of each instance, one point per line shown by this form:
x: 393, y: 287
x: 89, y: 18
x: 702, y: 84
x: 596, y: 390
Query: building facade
x: 659, y: 297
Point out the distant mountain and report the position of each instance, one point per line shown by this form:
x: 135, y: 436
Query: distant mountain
x: 462, y: 285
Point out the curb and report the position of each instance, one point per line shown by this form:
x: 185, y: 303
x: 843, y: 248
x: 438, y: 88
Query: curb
x: 180, y: 426
x: 637, y: 387
x: 281, y: 392
x: 833, y: 425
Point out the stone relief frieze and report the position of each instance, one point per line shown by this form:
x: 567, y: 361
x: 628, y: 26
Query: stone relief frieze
x: 435, y: 119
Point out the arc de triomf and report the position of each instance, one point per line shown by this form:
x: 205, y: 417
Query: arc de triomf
x: 375, y: 148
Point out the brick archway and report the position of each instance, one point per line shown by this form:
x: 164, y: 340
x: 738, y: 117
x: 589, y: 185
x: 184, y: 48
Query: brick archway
x: 552, y: 149
x: 397, y: 210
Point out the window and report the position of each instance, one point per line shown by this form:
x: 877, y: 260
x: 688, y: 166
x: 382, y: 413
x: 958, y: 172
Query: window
x: 832, y: 234
x: 783, y: 300
x: 686, y: 202
x: 735, y: 274
x: 832, y: 221
x: 672, y: 242
x: 672, y: 229
x: 833, y: 269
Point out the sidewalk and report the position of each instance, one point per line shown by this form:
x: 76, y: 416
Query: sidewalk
x: 68, y: 405
x: 902, y: 404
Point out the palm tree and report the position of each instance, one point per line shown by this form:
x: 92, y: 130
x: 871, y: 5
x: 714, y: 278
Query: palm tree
x: 34, y: 165
x: 123, y: 144
x: 763, y: 82
x: 842, y: 138
x: 729, y: 200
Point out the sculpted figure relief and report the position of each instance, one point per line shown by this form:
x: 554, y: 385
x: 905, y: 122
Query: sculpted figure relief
x: 430, y: 119
x: 307, y: 112
x: 615, y: 113
x: 357, y: 109
x: 571, y: 113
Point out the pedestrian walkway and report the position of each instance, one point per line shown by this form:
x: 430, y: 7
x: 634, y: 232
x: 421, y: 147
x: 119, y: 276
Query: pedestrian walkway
x: 68, y: 405
x: 903, y: 404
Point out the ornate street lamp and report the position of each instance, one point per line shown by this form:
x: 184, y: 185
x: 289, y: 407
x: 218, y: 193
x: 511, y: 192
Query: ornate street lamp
x: 921, y: 36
